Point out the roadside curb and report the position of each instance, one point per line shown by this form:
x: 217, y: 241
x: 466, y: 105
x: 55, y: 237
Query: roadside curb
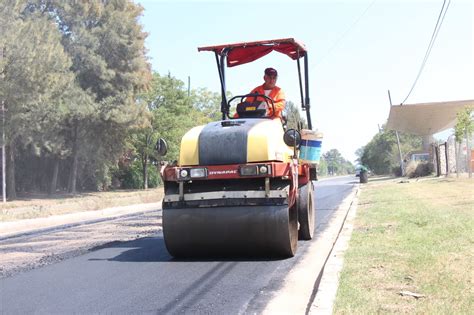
x: 29, y: 226
x: 326, y: 295
x: 298, y: 289
x: 320, y: 179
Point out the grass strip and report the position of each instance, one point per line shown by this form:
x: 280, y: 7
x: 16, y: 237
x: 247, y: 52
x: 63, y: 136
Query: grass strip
x: 415, y: 237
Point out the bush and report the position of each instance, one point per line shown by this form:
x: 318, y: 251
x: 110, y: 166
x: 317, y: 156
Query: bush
x: 154, y: 178
x: 397, y: 171
x: 419, y: 169
x: 425, y: 168
x: 132, y: 176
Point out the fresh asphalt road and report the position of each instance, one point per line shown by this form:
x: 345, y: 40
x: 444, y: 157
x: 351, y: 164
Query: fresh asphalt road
x: 141, y: 277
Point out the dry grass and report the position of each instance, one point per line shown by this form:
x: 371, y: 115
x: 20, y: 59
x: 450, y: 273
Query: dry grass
x: 36, y: 205
x: 418, y: 237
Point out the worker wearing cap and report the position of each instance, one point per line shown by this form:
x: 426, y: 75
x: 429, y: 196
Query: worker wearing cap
x: 270, y: 89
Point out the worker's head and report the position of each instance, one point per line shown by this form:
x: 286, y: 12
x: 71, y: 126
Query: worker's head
x: 270, y: 78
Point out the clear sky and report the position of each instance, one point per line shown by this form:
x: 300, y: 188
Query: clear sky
x: 357, y: 50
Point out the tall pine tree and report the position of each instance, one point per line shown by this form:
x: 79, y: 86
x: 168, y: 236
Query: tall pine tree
x: 35, y: 71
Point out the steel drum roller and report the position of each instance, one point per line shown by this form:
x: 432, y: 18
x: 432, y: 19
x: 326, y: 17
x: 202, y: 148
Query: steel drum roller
x: 223, y: 231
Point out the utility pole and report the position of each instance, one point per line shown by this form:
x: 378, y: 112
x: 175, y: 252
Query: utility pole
x: 468, y: 153
x: 4, y: 175
x: 189, y: 85
x: 402, y: 167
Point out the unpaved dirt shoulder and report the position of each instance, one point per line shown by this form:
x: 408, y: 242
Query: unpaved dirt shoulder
x: 33, y: 226
x: 42, y: 206
x: 37, y: 250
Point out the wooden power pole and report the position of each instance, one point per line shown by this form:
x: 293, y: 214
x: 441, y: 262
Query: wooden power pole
x: 402, y: 167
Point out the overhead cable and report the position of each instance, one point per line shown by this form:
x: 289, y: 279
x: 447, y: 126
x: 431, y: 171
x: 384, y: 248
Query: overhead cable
x: 334, y: 45
x: 439, y: 22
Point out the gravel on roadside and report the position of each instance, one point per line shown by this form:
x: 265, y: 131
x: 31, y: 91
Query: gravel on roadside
x: 32, y: 251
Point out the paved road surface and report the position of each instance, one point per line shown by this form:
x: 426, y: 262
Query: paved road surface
x: 141, y: 277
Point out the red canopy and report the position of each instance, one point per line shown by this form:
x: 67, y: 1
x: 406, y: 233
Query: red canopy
x: 241, y: 53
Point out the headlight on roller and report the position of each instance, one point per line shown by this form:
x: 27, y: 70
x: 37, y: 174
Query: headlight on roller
x: 249, y: 170
x: 198, y: 172
x: 255, y: 170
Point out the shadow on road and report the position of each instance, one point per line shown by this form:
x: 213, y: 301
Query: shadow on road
x: 153, y: 249
x: 202, y: 275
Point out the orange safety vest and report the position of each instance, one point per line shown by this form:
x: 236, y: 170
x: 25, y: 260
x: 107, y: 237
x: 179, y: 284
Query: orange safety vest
x: 276, y: 95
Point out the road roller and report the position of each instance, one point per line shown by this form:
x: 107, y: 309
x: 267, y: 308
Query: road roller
x: 243, y: 186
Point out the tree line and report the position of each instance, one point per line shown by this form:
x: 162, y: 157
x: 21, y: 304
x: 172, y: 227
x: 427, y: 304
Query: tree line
x: 77, y: 88
x: 381, y: 154
x: 333, y: 163
x: 82, y: 107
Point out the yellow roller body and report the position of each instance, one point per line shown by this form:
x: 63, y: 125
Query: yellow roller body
x: 264, y: 143
x: 189, y: 150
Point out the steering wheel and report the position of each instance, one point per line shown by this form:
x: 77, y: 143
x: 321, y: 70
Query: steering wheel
x: 268, y: 101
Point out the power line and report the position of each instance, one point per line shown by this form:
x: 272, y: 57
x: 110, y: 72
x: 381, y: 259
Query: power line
x: 439, y: 22
x: 356, y: 21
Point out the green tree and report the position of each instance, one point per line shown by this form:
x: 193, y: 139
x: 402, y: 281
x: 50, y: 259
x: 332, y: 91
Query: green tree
x: 208, y: 103
x: 293, y: 115
x: 464, y: 128
x: 335, y: 163
x: 322, y: 167
x: 464, y: 124
x: 381, y: 153
x: 170, y: 113
x: 106, y: 45
x: 35, y: 73
x: 359, y: 153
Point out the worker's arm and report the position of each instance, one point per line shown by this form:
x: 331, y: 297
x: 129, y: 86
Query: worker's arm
x: 279, y: 103
x: 257, y: 90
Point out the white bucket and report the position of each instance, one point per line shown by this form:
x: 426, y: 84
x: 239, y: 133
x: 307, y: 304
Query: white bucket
x: 310, y: 148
